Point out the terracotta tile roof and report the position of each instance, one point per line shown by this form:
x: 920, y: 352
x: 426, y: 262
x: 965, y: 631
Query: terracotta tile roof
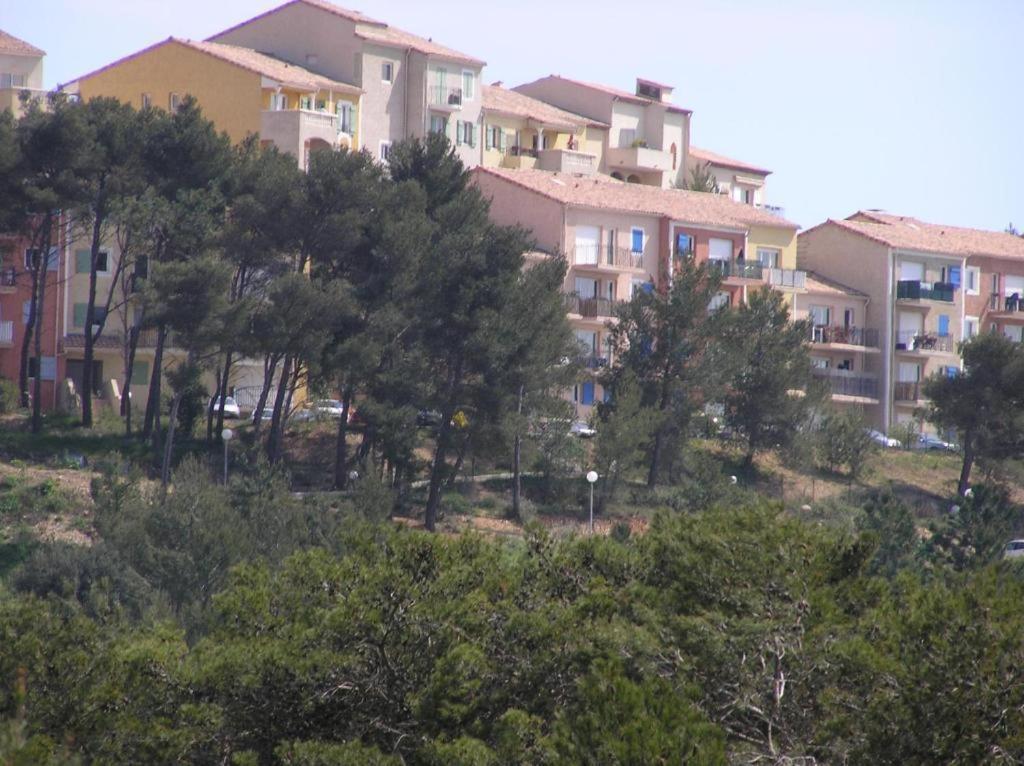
x: 907, y: 233
x: 344, y: 13
x: 703, y: 155
x: 14, y: 46
x: 603, y: 192
x: 617, y: 93
x: 499, y: 100
x: 822, y: 285
x: 260, y: 63
x: 391, y: 36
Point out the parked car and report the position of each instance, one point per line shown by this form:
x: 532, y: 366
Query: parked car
x: 428, y: 418
x: 929, y: 442
x: 1014, y: 549
x: 327, y: 408
x: 582, y: 429
x: 881, y: 439
x: 231, y: 409
x: 266, y: 417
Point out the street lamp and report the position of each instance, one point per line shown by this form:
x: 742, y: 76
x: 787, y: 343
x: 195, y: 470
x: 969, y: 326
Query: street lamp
x: 592, y: 479
x: 227, y: 434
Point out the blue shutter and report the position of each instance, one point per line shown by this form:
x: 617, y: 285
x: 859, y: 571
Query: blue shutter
x: 638, y: 240
x: 954, y: 276
x: 943, y: 324
x: 588, y: 393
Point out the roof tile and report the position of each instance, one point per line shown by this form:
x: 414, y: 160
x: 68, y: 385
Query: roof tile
x: 15, y: 46
x: 503, y: 101
x: 704, y: 155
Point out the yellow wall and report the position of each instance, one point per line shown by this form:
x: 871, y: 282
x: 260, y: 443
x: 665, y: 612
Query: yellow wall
x: 773, y: 236
x: 229, y: 95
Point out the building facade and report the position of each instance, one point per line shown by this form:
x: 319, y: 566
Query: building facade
x: 21, y: 72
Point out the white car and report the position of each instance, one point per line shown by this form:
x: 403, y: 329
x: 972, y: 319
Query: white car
x: 1014, y: 549
x: 882, y: 440
x: 231, y: 409
x: 327, y: 408
x: 582, y: 429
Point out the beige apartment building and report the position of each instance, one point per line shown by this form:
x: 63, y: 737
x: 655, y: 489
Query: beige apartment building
x: 648, y: 136
x: 21, y: 71
x: 737, y: 179
x: 930, y: 286
x: 410, y: 84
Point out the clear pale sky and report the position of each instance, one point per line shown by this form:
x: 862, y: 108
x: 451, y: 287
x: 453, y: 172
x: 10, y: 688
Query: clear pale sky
x: 916, y: 107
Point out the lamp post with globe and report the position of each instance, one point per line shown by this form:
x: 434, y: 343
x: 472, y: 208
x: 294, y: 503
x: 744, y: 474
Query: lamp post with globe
x: 592, y: 479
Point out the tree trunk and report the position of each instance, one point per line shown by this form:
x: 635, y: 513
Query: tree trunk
x: 165, y: 468
x: 90, y: 318
x: 968, y: 464
x: 37, y: 384
x: 269, y: 366
x: 274, y: 440
x: 26, y: 342
x: 659, y: 435
x: 126, y: 391
x: 439, y: 465
x: 341, y: 446
x: 223, y: 395
x: 517, y: 443
x: 151, y: 423
x: 211, y: 405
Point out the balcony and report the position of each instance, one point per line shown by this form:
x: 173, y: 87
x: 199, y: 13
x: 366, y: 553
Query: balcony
x: 6, y: 333
x: 607, y: 257
x: 590, y: 362
x: 827, y: 335
x: 907, y: 392
x: 519, y: 158
x: 788, y: 278
x: 639, y: 158
x: 590, y: 308
x: 848, y: 384
x: 112, y: 338
x: 916, y: 341
x: 738, y: 269
x: 915, y: 290
x: 444, y: 97
x: 776, y: 210
x: 1007, y: 308
x: 566, y: 161
x: 296, y: 130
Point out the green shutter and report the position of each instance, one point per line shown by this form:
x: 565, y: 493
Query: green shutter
x: 83, y: 261
x: 80, y: 309
x: 458, y: 132
x: 489, y: 138
x: 140, y: 373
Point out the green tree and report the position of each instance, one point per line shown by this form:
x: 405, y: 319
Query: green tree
x: 702, y: 179
x: 624, y: 428
x: 771, y: 391
x: 844, y: 440
x: 984, y: 403
x: 668, y: 341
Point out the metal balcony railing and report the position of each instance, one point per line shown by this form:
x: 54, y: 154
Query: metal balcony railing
x: 786, y: 277
x: 914, y: 340
x: 1010, y: 303
x: 907, y: 392
x: 9, y: 277
x: 521, y: 151
x: 738, y: 269
x: 847, y: 384
x: 442, y: 95
x: 594, y: 362
x: 915, y: 290
x: 850, y: 336
x: 589, y: 307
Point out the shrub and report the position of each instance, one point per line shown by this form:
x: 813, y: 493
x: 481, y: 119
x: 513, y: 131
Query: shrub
x: 8, y: 396
x: 844, y: 442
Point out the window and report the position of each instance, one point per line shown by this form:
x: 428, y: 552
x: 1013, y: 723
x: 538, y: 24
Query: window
x: 748, y: 196
x: 468, y: 85
x: 346, y: 117
x: 684, y: 245
x: 173, y: 102
x: 820, y: 315
x: 83, y: 262
x: 438, y: 124
x: 720, y: 301
x: 768, y: 257
x: 26, y: 311
x: 587, y: 340
x: 385, y: 150
x: 32, y: 258
x: 720, y: 249
x: 387, y: 71
x: 496, y: 137
x: 278, y: 102
x: 140, y: 373
x: 147, y: 101
x: 637, y: 240
x: 970, y: 327
x: 995, y: 284
x: 8, y: 80
x: 944, y: 325
x: 587, y: 393
x: 306, y: 102
x: 465, y: 133
x: 972, y: 281
x: 626, y: 137
x: 48, y: 371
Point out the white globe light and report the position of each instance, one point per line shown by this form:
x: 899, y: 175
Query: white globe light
x: 227, y: 434
x: 733, y: 479
x: 592, y: 477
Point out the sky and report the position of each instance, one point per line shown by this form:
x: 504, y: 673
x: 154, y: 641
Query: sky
x: 912, y: 106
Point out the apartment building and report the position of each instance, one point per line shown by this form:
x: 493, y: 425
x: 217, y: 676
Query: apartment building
x: 930, y: 286
x: 736, y: 179
x: 239, y: 89
x: 648, y: 136
x: 21, y: 71
x: 620, y: 238
x: 845, y: 353
x: 523, y: 132
x: 410, y: 84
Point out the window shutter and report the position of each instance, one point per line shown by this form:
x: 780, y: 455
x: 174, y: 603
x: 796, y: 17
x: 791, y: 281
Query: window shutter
x: 943, y: 324
x: 53, y: 260
x: 489, y: 138
x: 458, y: 132
x: 588, y: 393
x: 79, y: 318
x: 472, y: 134
x: 503, y: 142
x: 140, y: 373
x: 954, y: 276
x: 48, y: 370
x: 638, y: 240
x: 83, y: 261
